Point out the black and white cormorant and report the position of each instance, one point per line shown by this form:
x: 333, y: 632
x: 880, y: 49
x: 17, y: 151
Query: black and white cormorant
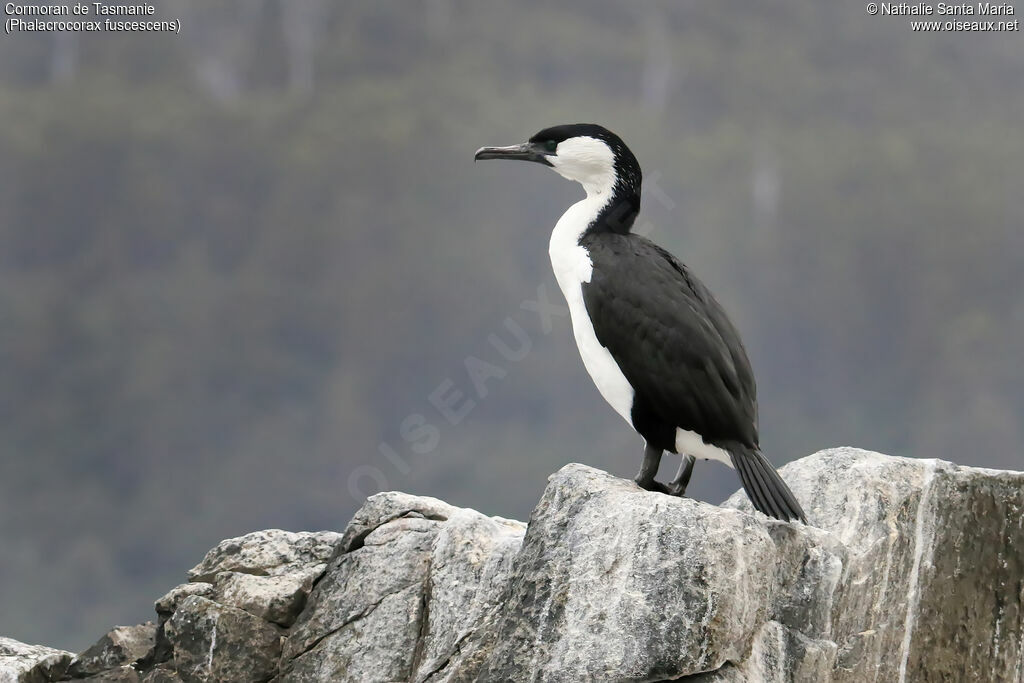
x: 658, y: 346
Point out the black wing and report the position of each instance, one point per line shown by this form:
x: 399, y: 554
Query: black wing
x: 671, y: 339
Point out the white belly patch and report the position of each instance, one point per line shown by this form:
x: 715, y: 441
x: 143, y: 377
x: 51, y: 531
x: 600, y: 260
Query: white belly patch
x: 691, y: 443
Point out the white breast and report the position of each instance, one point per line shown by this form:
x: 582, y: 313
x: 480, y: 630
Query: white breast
x: 573, y: 267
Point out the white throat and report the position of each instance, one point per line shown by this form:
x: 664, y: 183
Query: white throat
x: 588, y: 161
x: 591, y: 163
x: 569, y: 260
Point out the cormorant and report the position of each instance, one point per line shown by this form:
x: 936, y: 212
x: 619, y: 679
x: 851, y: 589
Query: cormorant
x: 658, y: 346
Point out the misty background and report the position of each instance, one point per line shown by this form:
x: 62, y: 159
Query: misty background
x: 236, y: 261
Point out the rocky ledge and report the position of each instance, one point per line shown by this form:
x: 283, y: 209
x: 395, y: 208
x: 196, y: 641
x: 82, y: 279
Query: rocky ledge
x: 912, y: 570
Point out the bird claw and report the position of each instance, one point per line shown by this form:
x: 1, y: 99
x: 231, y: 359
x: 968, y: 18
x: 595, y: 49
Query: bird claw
x: 653, y: 485
x: 676, y: 490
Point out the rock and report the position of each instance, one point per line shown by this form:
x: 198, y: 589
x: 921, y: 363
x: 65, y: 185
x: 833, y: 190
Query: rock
x: 426, y: 573
x: 120, y: 674
x: 933, y: 587
x: 277, y: 599
x: 912, y: 571
x: 166, y: 605
x: 161, y: 675
x: 664, y: 588
x: 256, y: 582
x: 21, y: 663
x: 471, y: 561
x: 121, y: 645
x: 213, y: 642
x: 908, y: 575
x: 267, y: 553
x: 778, y: 655
x: 384, y: 507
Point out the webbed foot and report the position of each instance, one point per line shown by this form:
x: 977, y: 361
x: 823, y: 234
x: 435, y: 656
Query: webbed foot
x: 682, y: 480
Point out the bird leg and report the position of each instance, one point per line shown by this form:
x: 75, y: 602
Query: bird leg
x: 679, y: 484
x: 645, y: 477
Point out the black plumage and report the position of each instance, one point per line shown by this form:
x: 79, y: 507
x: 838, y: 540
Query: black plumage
x: 672, y: 341
x: 682, y: 355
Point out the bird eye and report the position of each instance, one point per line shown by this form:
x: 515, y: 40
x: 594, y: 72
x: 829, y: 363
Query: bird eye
x: 551, y: 146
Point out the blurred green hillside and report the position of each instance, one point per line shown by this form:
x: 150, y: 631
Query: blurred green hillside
x: 235, y: 261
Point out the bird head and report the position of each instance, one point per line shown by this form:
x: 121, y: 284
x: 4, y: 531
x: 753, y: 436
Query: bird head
x: 590, y: 154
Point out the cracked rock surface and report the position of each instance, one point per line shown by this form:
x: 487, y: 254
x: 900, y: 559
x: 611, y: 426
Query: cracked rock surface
x: 912, y: 570
x: 423, y: 572
x: 214, y: 642
x: 933, y: 585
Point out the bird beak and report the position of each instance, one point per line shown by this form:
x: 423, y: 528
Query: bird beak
x: 527, y: 151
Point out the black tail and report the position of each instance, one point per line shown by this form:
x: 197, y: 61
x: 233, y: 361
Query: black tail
x: 764, y: 486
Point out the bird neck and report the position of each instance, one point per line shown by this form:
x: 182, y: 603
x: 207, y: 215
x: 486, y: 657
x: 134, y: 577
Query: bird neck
x: 613, y: 201
x: 608, y: 210
x: 617, y: 215
x: 610, y: 207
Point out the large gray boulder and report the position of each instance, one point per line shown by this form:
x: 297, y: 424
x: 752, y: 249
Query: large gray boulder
x: 422, y: 575
x: 911, y: 570
x: 614, y: 583
x: 933, y: 585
